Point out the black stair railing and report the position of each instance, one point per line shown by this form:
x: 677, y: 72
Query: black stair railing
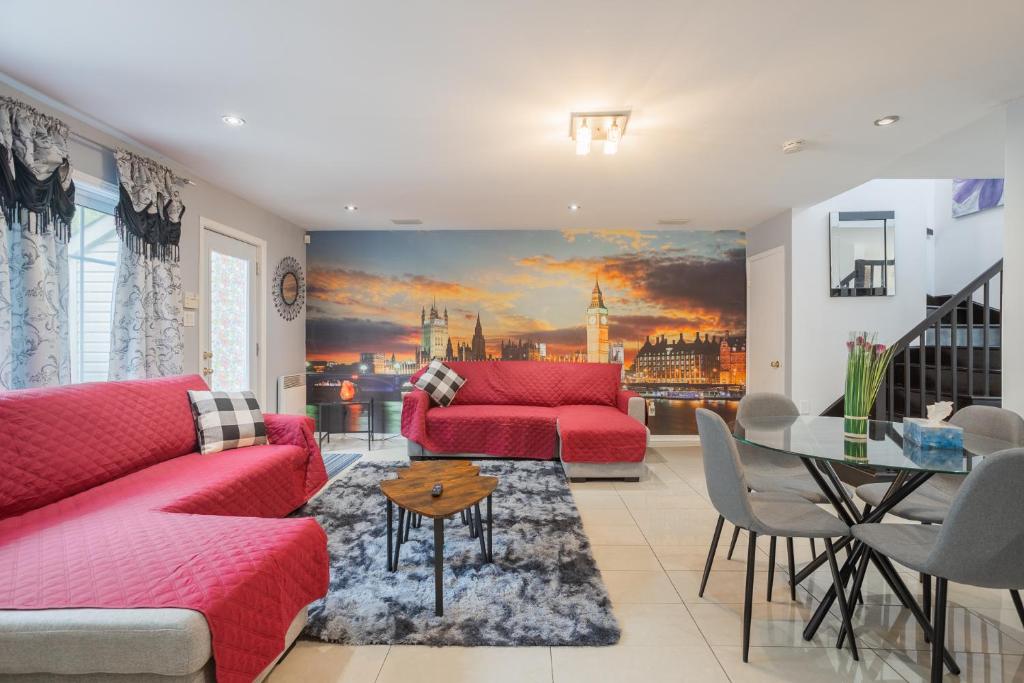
x: 954, y: 354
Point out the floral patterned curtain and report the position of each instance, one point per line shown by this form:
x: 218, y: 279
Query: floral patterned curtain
x: 146, y: 338
x: 37, y: 204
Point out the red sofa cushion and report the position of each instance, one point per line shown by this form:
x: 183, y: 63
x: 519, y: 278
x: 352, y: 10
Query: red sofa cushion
x: 191, y: 532
x: 509, y: 431
x: 63, y: 440
x: 600, y: 434
x: 535, y: 383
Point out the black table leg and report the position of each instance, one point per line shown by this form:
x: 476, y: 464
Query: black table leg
x: 398, y: 545
x: 472, y: 522
x: 390, y: 530
x: 438, y: 566
x: 490, y: 544
x: 480, y: 531
x: 900, y: 489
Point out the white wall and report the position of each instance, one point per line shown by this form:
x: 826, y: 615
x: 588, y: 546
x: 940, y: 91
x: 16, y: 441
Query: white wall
x: 965, y: 246
x: 286, y: 340
x: 821, y: 324
x: 1013, y: 264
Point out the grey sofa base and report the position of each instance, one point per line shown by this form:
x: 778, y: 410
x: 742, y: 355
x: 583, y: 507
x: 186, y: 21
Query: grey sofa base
x: 162, y: 645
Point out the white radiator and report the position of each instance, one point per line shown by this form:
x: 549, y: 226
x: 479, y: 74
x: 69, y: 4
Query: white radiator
x: 291, y: 394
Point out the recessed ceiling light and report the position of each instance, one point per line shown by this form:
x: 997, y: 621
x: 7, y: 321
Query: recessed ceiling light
x: 231, y: 120
x: 574, y: 207
x: 351, y: 207
x: 887, y: 120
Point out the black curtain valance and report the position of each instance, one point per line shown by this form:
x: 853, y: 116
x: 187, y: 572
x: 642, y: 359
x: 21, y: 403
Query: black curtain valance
x: 149, y: 210
x: 36, y: 190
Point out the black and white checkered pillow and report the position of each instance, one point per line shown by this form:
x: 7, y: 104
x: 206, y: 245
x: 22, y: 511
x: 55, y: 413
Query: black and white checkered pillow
x: 227, y: 419
x: 441, y: 382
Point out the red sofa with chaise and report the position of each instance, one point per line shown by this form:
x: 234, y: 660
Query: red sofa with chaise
x: 127, y: 555
x: 534, y: 409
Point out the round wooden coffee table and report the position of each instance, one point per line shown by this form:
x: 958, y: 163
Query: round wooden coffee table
x: 463, y: 490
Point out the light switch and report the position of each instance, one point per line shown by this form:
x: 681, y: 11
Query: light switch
x: 189, y: 319
x: 191, y: 300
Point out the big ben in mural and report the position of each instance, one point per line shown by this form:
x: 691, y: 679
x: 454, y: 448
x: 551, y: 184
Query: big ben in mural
x: 597, y: 327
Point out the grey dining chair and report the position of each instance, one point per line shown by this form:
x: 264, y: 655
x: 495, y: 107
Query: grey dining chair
x: 771, y: 472
x: 930, y: 503
x: 980, y: 543
x: 770, y: 514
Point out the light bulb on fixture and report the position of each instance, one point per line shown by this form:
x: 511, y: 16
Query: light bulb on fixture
x: 583, y: 136
x: 611, y: 143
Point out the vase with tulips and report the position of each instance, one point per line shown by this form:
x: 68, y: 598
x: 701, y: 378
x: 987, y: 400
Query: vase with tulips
x: 865, y: 369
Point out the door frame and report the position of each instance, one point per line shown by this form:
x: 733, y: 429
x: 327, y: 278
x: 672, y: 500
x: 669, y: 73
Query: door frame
x: 261, y: 298
x: 786, y: 360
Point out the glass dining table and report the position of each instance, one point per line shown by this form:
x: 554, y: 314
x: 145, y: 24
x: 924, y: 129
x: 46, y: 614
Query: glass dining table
x: 820, y: 444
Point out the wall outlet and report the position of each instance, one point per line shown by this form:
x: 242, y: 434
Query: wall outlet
x: 190, y: 300
x: 805, y: 407
x: 650, y: 408
x: 189, y: 319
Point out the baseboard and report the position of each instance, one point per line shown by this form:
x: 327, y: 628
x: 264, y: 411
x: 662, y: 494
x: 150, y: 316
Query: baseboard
x: 682, y: 439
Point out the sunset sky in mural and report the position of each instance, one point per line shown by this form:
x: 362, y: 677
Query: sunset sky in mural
x: 366, y: 288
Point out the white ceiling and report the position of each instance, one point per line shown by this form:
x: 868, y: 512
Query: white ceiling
x: 456, y: 112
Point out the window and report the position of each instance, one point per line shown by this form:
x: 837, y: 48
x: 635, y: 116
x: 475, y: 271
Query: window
x: 92, y: 260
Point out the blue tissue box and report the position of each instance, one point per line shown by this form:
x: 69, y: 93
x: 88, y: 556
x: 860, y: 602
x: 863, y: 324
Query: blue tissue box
x: 923, y: 433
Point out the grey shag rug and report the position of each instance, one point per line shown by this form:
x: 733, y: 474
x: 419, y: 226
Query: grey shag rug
x: 543, y: 588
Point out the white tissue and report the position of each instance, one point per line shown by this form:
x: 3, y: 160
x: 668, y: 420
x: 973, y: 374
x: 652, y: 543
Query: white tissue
x: 937, y: 412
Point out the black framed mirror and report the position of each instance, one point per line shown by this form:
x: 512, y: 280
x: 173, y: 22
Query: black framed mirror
x: 289, y: 288
x: 862, y: 253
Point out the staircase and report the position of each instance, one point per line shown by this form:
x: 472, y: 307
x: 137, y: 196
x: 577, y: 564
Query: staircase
x: 954, y: 354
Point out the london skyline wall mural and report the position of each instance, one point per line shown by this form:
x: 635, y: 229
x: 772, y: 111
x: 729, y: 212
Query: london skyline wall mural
x: 669, y: 306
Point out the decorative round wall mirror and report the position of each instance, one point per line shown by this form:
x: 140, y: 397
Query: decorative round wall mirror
x: 289, y: 288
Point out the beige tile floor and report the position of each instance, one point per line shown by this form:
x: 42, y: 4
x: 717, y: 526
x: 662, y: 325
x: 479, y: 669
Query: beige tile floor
x: 650, y: 540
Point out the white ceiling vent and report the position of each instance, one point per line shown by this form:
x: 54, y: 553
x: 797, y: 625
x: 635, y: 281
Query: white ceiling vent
x: 673, y: 221
x: 792, y: 146
x: 407, y: 221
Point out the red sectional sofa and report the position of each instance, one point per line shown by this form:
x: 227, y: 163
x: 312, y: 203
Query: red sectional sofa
x: 105, y: 503
x: 533, y: 409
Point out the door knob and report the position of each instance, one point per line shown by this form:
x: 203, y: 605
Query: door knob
x: 207, y: 372
x: 207, y: 355
x: 774, y: 363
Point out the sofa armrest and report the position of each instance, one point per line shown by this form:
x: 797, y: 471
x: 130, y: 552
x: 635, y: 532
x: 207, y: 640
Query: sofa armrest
x: 414, y: 415
x: 633, y: 404
x: 297, y: 430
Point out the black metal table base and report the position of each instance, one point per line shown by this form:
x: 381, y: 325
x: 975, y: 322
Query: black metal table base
x: 859, y: 555
x: 471, y: 517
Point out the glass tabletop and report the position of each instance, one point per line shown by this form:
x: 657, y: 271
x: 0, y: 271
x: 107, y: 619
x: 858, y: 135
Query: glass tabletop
x: 821, y: 438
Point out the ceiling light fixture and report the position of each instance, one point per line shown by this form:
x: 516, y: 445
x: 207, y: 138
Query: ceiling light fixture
x: 611, y: 143
x: 583, y: 136
x: 574, y: 207
x: 232, y: 120
x: 887, y: 120
x: 605, y: 126
x: 351, y: 207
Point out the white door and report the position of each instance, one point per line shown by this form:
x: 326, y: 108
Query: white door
x: 231, y: 323
x: 766, y: 321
